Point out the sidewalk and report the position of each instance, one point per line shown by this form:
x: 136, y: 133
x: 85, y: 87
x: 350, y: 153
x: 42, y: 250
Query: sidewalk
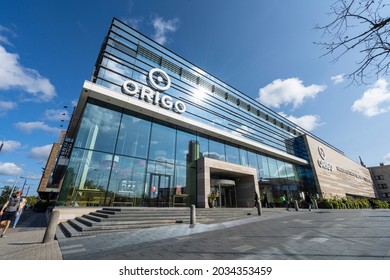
x: 25, y: 241
x: 277, y: 235
x: 323, y: 234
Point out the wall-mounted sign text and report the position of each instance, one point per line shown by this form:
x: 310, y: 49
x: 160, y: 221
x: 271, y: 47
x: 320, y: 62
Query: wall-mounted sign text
x: 159, y: 81
x: 323, y: 163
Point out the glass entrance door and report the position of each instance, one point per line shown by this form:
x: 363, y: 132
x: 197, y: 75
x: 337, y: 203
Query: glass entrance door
x: 226, y: 196
x: 230, y: 196
x: 159, y: 190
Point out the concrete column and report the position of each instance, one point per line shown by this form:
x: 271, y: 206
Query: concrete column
x: 296, y: 205
x: 193, y: 215
x: 259, y: 208
x: 50, y: 232
x: 203, y: 181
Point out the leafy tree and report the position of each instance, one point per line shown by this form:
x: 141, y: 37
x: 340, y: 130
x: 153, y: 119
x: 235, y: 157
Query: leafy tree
x: 32, y: 200
x: 5, y: 194
x: 362, y: 27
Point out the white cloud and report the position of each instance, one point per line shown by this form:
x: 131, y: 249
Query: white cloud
x: 57, y: 115
x: 41, y: 152
x: 9, y: 168
x: 4, y: 39
x: 289, y: 91
x: 28, y: 127
x: 308, y: 122
x: 375, y: 100
x: 10, y: 145
x: 162, y: 27
x: 6, y: 106
x: 338, y: 79
x: 387, y: 159
x: 14, y: 75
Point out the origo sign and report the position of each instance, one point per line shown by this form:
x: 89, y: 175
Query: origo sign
x: 158, y: 81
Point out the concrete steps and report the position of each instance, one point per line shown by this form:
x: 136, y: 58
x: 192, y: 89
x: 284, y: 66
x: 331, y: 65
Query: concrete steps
x: 119, y: 219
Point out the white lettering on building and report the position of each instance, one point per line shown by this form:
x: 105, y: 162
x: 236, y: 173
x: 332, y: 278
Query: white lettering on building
x: 323, y: 163
x: 155, y: 78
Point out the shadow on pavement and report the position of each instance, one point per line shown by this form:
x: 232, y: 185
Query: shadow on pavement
x: 31, y: 219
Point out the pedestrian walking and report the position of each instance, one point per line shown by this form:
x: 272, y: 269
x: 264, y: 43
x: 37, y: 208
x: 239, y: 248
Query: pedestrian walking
x: 308, y: 200
x: 9, y: 211
x: 265, y: 199
x: 212, y: 198
x: 256, y: 200
x: 284, y: 200
x: 22, y: 204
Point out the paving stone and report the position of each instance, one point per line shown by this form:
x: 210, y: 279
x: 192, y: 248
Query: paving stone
x: 319, y: 235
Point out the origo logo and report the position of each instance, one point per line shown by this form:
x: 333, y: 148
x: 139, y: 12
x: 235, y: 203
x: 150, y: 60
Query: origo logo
x: 321, y: 152
x: 323, y: 163
x: 159, y: 81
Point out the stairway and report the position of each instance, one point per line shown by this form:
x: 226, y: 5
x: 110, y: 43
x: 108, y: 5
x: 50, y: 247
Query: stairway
x: 119, y: 219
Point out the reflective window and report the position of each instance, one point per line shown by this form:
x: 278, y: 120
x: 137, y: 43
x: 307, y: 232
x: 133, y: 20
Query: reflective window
x: 86, y: 179
x: 244, y: 157
x: 126, y: 182
x: 134, y: 136
x: 162, y: 143
x: 203, y: 145
x: 98, y: 129
x: 282, y: 169
x: 263, y: 166
x: 216, y: 150
x: 116, y: 55
x: 184, y: 189
x: 252, y: 160
x: 118, y: 73
x: 273, y: 168
x: 232, y: 154
x: 181, y: 180
x: 291, y: 172
x: 186, y: 148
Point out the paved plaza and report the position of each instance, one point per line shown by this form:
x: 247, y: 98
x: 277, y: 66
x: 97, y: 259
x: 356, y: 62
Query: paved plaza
x: 296, y: 235
x: 320, y: 235
x: 25, y: 241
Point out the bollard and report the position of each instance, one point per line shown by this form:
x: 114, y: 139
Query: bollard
x: 50, y: 232
x: 296, y: 205
x: 259, y: 208
x: 193, y: 215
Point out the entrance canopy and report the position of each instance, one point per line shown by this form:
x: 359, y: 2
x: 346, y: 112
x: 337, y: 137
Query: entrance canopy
x: 243, y: 177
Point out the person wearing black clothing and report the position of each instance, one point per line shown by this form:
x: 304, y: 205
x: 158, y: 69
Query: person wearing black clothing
x: 256, y: 200
x: 9, y: 211
x: 265, y: 200
x: 308, y: 200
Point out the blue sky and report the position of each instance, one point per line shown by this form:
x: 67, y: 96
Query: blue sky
x: 263, y: 48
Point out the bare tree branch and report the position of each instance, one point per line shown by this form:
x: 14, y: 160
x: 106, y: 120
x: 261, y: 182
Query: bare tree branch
x: 362, y: 27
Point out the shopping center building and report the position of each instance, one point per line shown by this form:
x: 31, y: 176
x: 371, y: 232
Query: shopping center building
x: 152, y: 129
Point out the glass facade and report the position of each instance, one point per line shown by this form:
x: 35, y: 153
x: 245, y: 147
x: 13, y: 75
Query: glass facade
x: 125, y: 158
x: 140, y: 161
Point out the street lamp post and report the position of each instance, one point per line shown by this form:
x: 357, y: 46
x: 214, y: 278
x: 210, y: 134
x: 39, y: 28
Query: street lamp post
x: 24, y: 184
x: 16, y: 180
x: 28, y: 189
